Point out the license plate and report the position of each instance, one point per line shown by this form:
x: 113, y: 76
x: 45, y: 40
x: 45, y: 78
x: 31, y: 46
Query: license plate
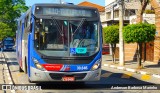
x: 68, y: 78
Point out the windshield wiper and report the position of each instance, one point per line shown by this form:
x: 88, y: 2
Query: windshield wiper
x: 59, y: 29
x: 79, y: 26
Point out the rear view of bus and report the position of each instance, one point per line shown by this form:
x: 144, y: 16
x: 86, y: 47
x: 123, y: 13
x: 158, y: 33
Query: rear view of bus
x: 7, y: 44
x: 64, y: 43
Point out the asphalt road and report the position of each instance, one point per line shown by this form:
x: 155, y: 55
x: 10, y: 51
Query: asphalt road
x: 112, y: 81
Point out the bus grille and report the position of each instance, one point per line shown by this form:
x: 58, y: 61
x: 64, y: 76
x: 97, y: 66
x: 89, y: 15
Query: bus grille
x: 58, y: 76
x: 61, y: 61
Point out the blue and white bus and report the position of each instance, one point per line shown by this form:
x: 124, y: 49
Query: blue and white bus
x: 7, y: 44
x: 58, y: 42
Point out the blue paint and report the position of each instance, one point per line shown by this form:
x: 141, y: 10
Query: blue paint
x: 73, y: 50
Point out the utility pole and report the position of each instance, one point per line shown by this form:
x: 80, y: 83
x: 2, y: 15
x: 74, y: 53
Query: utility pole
x: 121, y: 42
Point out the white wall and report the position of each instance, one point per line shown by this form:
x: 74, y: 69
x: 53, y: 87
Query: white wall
x: 149, y: 18
x: 102, y: 16
x: 107, y: 2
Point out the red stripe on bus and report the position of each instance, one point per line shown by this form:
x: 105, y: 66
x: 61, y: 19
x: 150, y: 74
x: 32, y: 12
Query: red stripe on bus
x: 20, y: 63
x: 52, y: 67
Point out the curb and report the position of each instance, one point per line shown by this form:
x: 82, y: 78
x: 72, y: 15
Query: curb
x: 143, y: 72
x: 155, y: 75
x: 112, y: 66
x: 121, y: 68
x: 106, y: 65
x: 132, y: 70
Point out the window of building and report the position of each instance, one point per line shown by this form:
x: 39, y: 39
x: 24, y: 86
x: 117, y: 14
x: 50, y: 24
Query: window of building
x: 116, y: 14
x: 108, y: 15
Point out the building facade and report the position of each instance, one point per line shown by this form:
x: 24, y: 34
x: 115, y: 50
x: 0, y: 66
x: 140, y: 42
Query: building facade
x: 130, y: 9
x: 101, y: 9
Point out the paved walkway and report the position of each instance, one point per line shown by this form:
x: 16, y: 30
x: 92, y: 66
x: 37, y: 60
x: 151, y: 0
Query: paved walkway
x: 149, y: 68
x: 5, y: 77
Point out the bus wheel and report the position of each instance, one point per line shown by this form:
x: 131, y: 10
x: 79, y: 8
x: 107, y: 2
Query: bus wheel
x: 29, y: 81
x: 25, y: 66
x: 20, y: 69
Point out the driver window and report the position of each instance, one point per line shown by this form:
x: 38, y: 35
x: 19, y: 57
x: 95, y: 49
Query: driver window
x: 53, y: 33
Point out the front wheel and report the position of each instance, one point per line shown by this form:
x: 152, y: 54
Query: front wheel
x: 30, y: 81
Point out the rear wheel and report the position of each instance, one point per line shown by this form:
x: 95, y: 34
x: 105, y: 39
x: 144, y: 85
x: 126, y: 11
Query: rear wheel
x: 25, y: 66
x: 20, y: 69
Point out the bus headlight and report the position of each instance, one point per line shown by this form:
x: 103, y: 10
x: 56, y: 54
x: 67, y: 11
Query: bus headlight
x: 38, y: 66
x: 96, y: 65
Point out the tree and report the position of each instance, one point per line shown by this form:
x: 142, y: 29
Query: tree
x: 141, y: 10
x: 155, y: 5
x: 111, y: 35
x: 5, y: 30
x: 139, y: 33
x: 10, y: 10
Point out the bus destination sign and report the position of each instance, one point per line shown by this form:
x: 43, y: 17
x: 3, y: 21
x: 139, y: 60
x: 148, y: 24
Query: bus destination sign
x: 55, y: 11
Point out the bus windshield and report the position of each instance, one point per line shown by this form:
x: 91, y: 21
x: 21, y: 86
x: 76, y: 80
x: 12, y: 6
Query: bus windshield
x: 65, y: 38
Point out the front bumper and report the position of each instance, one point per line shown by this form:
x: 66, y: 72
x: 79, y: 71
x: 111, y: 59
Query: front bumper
x: 43, y: 76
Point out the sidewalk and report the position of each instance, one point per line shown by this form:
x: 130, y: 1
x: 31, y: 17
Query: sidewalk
x: 149, y: 68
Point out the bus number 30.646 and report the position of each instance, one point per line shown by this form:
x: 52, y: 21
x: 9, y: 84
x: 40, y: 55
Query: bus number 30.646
x: 82, y: 68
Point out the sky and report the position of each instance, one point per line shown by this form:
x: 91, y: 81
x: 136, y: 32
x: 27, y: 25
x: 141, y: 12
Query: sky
x: 31, y: 2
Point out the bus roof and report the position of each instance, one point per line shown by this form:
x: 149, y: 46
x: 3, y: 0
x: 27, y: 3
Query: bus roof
x: 64, y: 5
x: 52, y: 5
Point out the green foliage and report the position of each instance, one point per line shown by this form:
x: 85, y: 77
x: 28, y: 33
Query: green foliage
x: 139, y: 33
x: 149, y: 11
x: 111, y: 34
x: 10, y: 10
x: 5, y: 31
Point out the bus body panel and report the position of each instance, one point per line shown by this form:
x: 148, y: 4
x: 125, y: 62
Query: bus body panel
x: 29, y: 54
x: 20, y: 32
x: 73, y: 67
x: 40, y: 76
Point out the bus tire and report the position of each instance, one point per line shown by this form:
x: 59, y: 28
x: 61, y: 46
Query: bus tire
x: 29, y: 81
x: 25, y: 66
x: 20, y: 69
